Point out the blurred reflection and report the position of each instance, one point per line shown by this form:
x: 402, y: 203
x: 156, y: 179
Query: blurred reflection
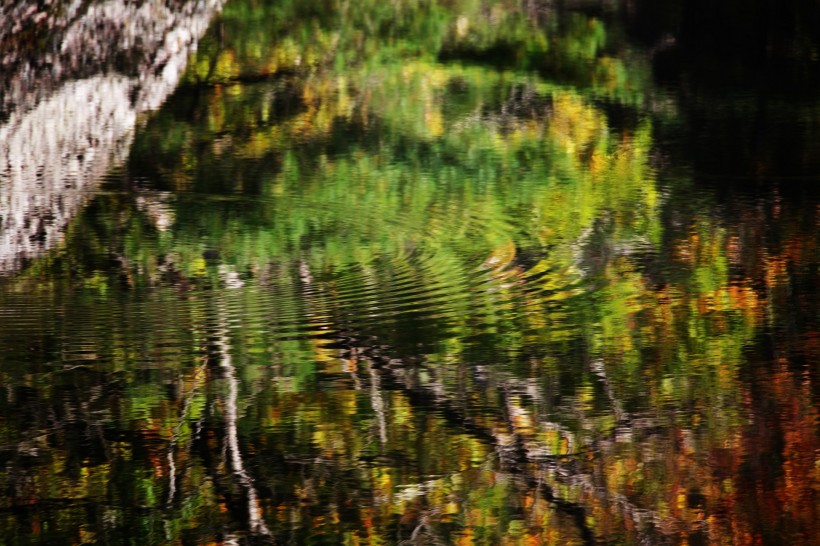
x: 416, y: 274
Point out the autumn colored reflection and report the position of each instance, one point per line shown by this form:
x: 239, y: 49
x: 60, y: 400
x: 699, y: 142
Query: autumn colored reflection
x: 425, y: 273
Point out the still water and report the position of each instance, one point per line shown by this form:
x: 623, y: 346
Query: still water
x: 423, y: 272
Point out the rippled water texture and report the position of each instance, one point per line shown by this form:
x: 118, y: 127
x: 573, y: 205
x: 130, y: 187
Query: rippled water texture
x: 415, y: 272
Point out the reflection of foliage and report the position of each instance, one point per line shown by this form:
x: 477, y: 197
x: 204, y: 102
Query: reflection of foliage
x: 268, y: 39
x: 450, y: 292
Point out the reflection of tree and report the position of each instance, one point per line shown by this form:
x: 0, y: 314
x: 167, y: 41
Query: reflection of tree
x: 255, y: 524
x: 463, y: 311
x: 536, y: 468
x: 686, y: 455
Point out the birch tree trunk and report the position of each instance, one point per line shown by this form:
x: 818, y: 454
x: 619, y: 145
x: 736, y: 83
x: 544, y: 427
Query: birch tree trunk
x: 68, y: 109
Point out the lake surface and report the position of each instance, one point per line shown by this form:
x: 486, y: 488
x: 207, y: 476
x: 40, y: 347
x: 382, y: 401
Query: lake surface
x: 416, y: 272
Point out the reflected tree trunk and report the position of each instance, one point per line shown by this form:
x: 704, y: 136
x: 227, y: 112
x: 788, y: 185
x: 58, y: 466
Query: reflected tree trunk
x: 377, y: 401
x: 521, y: 457
x: 255, y: 524
x: 199, y: 374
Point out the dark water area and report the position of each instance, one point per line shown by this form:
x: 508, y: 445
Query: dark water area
x: 418, y: 272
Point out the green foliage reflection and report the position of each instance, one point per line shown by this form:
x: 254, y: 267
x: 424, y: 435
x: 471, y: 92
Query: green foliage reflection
x: 452, y: 296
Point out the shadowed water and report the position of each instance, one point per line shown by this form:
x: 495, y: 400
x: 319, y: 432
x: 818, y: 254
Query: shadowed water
x: 425, y: 273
